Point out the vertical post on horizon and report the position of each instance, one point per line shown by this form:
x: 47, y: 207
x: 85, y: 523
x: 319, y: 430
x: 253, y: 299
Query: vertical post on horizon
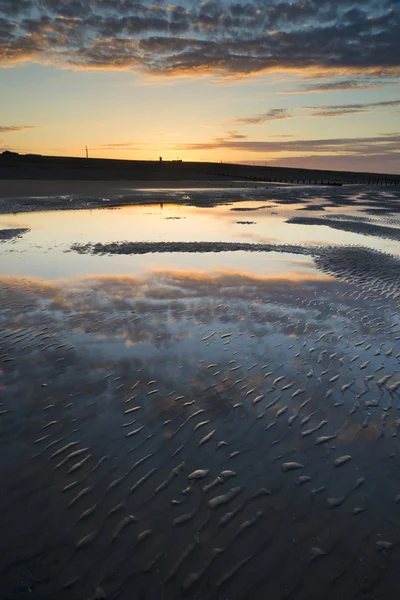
x: 87, y: 152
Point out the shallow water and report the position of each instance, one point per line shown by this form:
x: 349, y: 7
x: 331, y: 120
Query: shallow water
x: 121, y: 375
x: 42, y: 251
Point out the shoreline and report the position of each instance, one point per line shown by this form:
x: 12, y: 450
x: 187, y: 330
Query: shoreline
x: 23, y: 187
x: 19, y: 196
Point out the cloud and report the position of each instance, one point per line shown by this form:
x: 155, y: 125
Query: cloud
x: 374, y: 163
x: 15, y: 128
x: 233, y: 135
x: 339, y: 86
x: 224, y: 37
x: 328, y: 111
x: 274, y: 114
x: 237, y: 136
x: 15, y: 7
x: 382, y: 146
x: 123, y: 145
x: 350, y: 109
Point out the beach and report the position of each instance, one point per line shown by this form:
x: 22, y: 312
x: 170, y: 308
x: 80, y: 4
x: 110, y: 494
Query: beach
x: 212, y: 365
x: 199, y: 300
x: 26, y: 195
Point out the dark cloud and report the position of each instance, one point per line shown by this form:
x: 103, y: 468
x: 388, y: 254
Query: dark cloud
x: 65, y: 8
x: 216, y: 36
x: 15, y: 7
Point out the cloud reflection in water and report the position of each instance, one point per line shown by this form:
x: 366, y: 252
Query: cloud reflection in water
x: 135, y: 373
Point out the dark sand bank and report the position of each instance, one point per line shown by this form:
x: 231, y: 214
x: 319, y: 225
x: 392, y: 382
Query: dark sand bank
x: 370, y: 229
x: 191, y: 247
x: 9, y: 234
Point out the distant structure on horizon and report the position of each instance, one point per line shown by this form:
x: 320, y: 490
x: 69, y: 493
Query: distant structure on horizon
x: 87, y: 152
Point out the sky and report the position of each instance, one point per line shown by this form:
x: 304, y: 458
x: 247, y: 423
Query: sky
x: 302, y: 83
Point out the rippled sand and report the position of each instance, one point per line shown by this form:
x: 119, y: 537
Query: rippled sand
x: 211, y: 432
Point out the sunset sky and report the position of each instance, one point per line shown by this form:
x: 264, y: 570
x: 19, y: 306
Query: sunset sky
x: 310, y: 83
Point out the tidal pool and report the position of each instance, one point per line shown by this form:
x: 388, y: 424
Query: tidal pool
x: 200, y: 425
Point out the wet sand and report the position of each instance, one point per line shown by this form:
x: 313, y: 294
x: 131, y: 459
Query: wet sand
x: 269, y: 394
x: 369, y: 229
x: 202, y: 432
x: 33, y: 195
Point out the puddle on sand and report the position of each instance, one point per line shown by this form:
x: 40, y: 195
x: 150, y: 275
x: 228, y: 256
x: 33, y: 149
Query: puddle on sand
x: 203, y: 399
x: 43, y: 250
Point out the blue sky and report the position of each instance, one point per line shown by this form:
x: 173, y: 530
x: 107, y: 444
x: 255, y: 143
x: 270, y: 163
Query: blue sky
x: 302, y: 83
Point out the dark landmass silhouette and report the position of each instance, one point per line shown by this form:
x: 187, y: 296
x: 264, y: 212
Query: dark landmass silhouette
x: 15, y: 166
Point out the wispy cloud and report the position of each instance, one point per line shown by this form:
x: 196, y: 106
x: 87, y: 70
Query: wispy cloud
x: 15, y: 128
x: 116, y: 146
x: 274, y: 114
x: 339, y: 85
x: 373, y: 163
x: 235, y: 135
x: 338, y: 110
x: 383, y: 144
x: 374, y: 154
x: 349, y: 109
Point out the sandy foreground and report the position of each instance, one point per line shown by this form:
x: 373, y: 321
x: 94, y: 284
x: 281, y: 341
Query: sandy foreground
x: 245, y: 407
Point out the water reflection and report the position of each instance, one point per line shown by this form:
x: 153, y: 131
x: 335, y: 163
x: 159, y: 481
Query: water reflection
x: 207, y: 408
x: 206, y: 216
